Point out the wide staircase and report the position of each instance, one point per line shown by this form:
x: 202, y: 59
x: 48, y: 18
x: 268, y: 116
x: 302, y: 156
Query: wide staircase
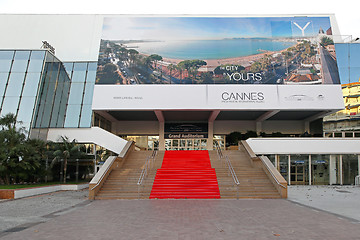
x: 122, y: 181
x: 254, y: 183
x: 185, y: 175
x: 188, y: 175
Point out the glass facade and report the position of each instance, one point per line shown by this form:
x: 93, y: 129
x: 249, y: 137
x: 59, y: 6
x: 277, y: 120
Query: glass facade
x: 79, y: 112
x: 43, y: 92
x: 20, y: 73
x: 348, y: 59
x: 317, y: 169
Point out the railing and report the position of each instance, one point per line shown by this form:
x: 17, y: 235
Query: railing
x: 101, y: 176
x: 266, y: 160
x: 149, y: 162
x: 106, y: 167
x: 274, y: 176
x: 342, y: 134
x: 225, y: 159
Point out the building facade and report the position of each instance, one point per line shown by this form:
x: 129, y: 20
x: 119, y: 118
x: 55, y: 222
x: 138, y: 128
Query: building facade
x: 172, y: 82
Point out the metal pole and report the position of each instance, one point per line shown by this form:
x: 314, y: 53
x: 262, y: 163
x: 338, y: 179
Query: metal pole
x: 94, y: 153
x: 77, y: 170
x: 61, y: 170
x: 46, y: 168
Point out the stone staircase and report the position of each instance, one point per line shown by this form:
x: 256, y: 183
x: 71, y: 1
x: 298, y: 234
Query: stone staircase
x: 254, y: 183
x: 122, y: 181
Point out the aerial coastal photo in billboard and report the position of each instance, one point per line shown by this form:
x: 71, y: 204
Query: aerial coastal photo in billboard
x: 217, y: 50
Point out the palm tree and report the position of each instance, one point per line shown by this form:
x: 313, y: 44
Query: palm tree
x: 20, y: 158
x: 66, y: 150
x: 180, y: 69
x: 171, y: 68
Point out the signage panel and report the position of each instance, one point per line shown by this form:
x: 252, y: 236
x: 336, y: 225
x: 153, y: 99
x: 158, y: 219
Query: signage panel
x: 217, y: 50
x: 186, y: 130
x: 226, y: 97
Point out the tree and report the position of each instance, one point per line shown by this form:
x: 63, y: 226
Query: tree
x: 132, y: 54
x: 155, y: 58
x: 191, y: 66
x: 66, y: 150
x: 171, y: 68
x: 20, y: 158
x: 326, y: 41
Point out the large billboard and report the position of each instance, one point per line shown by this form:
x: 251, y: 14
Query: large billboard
x: 217, y: 50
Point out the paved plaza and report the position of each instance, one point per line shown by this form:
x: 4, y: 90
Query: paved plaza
x: 170, y: 219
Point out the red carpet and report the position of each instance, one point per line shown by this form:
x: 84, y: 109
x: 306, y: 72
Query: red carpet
x: 185, y: 174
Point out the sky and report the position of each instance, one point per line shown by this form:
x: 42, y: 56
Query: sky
x: 345, y: 11
x: 194, y: 28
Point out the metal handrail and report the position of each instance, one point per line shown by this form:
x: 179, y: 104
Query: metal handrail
x: 277, y: 181
x: 147, y: 167
x: 230, y: 167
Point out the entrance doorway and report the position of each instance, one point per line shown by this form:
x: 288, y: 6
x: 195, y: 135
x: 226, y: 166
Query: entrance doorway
x: 185, y: 144
x: 297, y: 172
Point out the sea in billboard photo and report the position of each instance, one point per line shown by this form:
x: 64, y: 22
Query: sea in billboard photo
x: 217, y: 50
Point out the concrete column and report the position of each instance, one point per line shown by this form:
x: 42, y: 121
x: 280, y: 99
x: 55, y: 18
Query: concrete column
x: 289, y: 170
x: 258, y: 127
x: 161, y: 136
x: 210, y: 144
x: 310, y: 169
x: 358, y: 164
x: 341, y: 170
x: 307, y: 126
x: 332, y: 170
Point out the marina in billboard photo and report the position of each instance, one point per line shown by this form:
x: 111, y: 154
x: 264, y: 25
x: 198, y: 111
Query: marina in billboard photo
x: 217, y: 50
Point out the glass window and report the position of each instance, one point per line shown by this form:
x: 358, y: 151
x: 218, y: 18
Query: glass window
x: 284, y: 166
x: 37, y: 55
x: 76, y: 92
x: 10, y: 105
x: 80, y: 66
x: 350, y: 168
x: 72, y: 116
x: 35, y: 66
x: 22, y: 55
x: 15, y: 84
x: 86, y: 114
x: 56, y: 107
x: 92, y: 66
x: 61, y: 117
x: 91, y: 76
x: 3, y: 81
x: 19, y: 66
x: 68, y: 67
x: 20, y: 61
x: 354, y: 55
x: 5, y: 60
x: 26, y: 109
x: 31, y: 84
x: 320, y: 169
x: 45, y: 121
x: 78, y: 76
x: 88, y: 94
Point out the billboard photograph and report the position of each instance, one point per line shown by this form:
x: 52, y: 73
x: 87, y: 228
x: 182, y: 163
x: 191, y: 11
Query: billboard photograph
x: 217, y: 50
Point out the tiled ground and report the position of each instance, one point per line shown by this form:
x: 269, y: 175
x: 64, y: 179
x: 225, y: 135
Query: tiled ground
x: 192, y: 219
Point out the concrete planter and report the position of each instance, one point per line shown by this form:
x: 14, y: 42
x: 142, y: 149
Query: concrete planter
x: 28, y: 192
